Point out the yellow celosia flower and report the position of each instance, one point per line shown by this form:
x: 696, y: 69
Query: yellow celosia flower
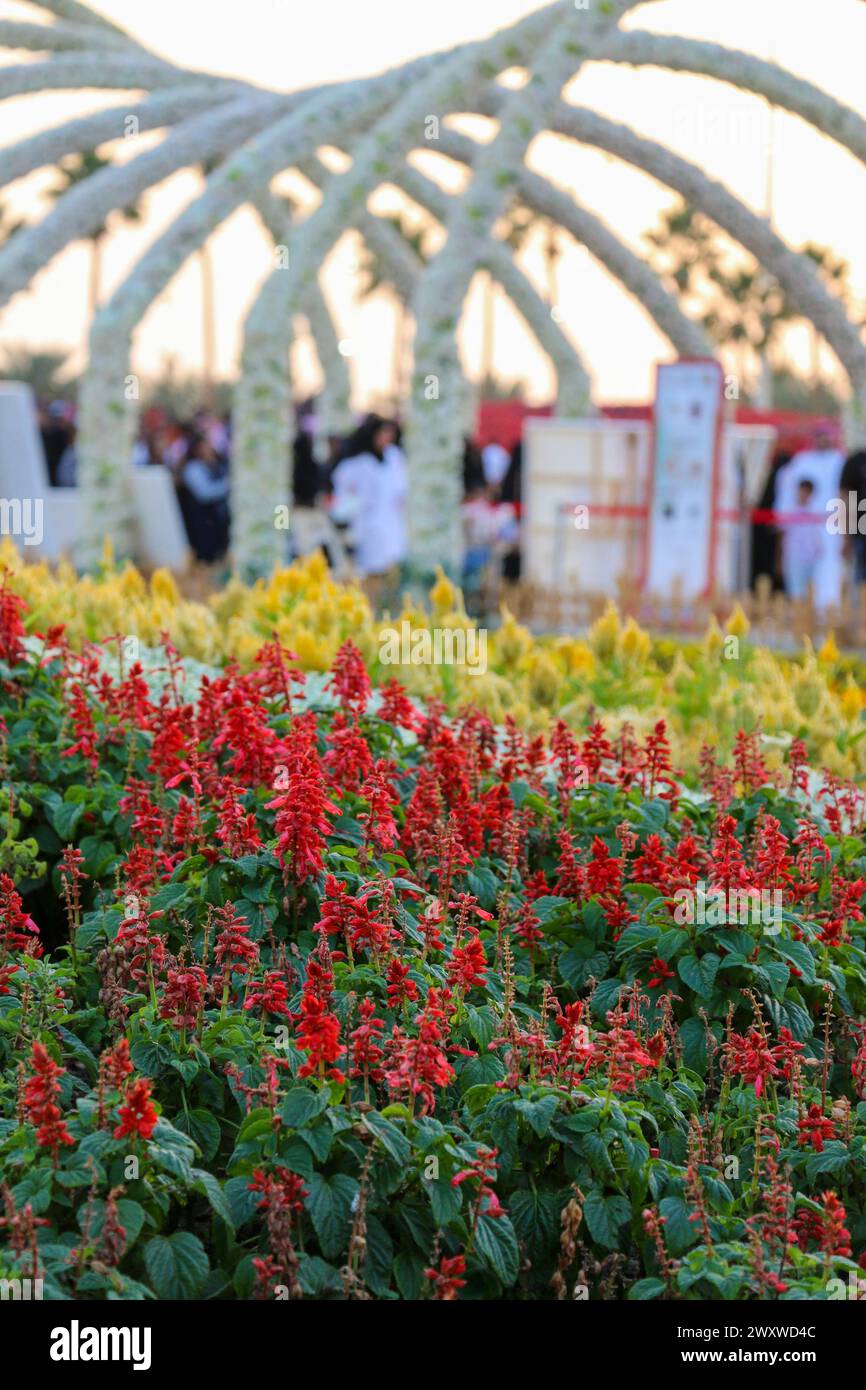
x: 738, y: 624
x: 604, y: 635
x: 851, y: 700
x: 443, y: 595
x: 829, y: 653
x: 635, y: 644
x: 714, y: 638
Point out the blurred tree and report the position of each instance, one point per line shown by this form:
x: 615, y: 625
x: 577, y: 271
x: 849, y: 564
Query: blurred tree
x: 42, y: 370
x: 73, y: 170
x: 522, y: 222
x: 743, y: 309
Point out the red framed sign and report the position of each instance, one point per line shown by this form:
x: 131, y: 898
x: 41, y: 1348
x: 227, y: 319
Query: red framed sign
x: 684, y: 479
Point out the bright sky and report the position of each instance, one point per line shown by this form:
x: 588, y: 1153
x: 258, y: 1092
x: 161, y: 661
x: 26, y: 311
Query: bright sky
x: 817, y: 188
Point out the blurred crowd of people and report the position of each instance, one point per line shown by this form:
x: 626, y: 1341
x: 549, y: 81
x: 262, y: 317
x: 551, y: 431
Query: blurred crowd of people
x: 349, y: 494
x: 350, y: 497
x: 794, y: 541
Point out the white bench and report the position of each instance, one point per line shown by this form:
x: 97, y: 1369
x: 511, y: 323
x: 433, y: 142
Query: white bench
x: 160, y: 538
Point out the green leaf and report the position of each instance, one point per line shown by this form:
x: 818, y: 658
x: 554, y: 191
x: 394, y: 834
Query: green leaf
x: 603, y: 1216
x: 481, y: 1071
x: 538, y: 1113
x: 693, y: 1036
x: 150, y: 1058
x: 670, y: 942
x: 65, y: 818
x: 170, y: 895
x: 80, y: 1171
x: 596, y: 1150
x: 798, y: 953
x: 380, y: 1257
x: 605, y: 997
x: 409, y: 1274
x: 330, y: 1206
x: 482, y: 1024
x: 171, y: 1160
x: 679, y: 1231
x: 317, y: 1277
x: 208, y: 1184
x: 646, y: 1289
x: 302, y: 1105
x: 445, y: 1200
x: 699, y: 973
x: 392, y: 1140
x: 777, y: 973
x: 35, y: 1188
x: 536, y: 1219
x: 834, y: 1158
x: 496, y: 1243
x: 203, y: 1128
x: 241, y: 1201
x: 177, y: 1265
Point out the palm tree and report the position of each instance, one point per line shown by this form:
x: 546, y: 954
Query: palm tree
x: 208, y: 309
x: 742, y: 306
x: 522, y: 222
x: 43, y: 371
x: 73, y: 170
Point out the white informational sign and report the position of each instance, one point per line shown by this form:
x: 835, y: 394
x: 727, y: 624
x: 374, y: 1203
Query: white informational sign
x: 685, y: 478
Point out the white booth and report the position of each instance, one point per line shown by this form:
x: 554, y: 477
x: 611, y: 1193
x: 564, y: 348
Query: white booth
x: 662, y: 505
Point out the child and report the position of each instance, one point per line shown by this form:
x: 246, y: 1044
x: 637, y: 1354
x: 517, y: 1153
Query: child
x: 802, y: 535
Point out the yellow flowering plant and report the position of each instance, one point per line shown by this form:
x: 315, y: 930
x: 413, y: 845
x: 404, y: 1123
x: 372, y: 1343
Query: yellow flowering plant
x: 705, y: 690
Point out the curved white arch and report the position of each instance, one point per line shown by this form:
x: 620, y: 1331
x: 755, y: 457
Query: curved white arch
x: 435, y: 429
x: 46, y: 38
x: 638, y: 48
x: 205, y: 117
x: 89, y: 132
x: 83, y: 209
x: 795, y: 272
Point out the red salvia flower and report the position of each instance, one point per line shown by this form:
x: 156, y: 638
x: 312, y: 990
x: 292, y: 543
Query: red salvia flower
x: 116, y: 1065
x: 234, y: 951
x: 814, y: 1128
x: 467, y: 968
x: 380, y: 827
x: 395, y: 707
x: 138, y: 1115
x: 183, y: 996
x: 446, y: 1279
x: 366, y: 1054
x: 271, y: 995
x: 349, y: 680
x: 86, y: 737
x: 417, y: 1064
x: 659, y: 972
x: 751, y: 1058
x: 318, y: 1034
x: 17, y: 930
x: 40, y: 1096
x: 400, y: 988
x: 12, y: 606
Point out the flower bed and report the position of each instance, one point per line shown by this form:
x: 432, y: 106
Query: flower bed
x: 335, y: 996
x: 704, y: 691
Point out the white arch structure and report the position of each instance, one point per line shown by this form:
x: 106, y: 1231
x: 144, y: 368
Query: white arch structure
x: 247, y: 136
